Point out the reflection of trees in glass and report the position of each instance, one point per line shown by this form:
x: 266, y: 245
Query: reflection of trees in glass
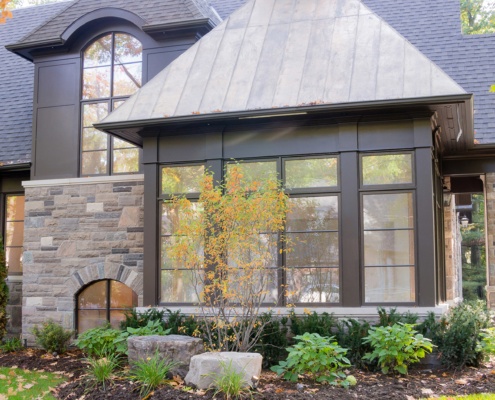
x: 387, y: 169
x: 477, y: 16
x: 474, y: 252
x: 312, y: 230
x: 311, y: 173
x: 185, y: 179
x: 112, y: 67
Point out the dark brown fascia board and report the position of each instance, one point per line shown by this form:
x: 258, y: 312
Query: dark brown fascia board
x: 119, y: 128
x: 24, y: 49
x: 15, y: 167
x: 203, y: 25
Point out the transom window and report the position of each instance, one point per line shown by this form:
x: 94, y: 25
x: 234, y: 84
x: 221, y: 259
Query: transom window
x: 14, y: 232
x: 103, y: 301
x: 112, y: 71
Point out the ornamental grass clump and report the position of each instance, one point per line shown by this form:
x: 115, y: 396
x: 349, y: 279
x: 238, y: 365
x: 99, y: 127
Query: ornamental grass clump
x: 319, y: 358
x: 151, y: 373
x: 102, y: 368
x: 229, y: 382
x: 397, y: 346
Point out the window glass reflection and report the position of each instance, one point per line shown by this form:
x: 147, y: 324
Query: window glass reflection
x: 387, y: 169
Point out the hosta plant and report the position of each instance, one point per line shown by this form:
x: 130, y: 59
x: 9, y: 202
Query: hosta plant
x: 397, y: 346
x: 320, y: 358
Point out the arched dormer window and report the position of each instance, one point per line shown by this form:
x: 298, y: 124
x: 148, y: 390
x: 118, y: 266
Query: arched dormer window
x: 112, y: 71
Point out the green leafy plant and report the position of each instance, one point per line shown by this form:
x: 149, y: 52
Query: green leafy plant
x: 101, y: 369
x: 350, y: 335
x: 135, y: 319
x: 487, y: 343
x: 229, y: 382
x: 4, y: 292
x: 52, y: 337
x: 396, y: 346
x: 392, y: 317
x: 459, y: 341
x: 321, y: 358
x: 11, y: 345
x: 324, y: 324
x: 152, y: 328
x: 151, y: 373
x: 98, y: 340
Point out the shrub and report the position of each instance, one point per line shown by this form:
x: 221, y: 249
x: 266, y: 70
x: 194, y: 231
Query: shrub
x: 319, y: 357
x: 180, y: 324
x: 4, y: 292
x: 459, y: 343
x: 152, y: 328
x: 150, y: 373
x: 432, y: 328
x: 134, y: 319
x: 487, y: 343
x: 229, y: 382
x: 98, y: 340
x: 324, y: 324
x: 350, y: 335
x: 52, y: 337
x: 102, y: 368
x: 392, y: 317
x: 11, y: 345
x: 396, y: 346
x: 273, y: 340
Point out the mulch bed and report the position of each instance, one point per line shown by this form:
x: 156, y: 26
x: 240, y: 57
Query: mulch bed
x: 420, y: 383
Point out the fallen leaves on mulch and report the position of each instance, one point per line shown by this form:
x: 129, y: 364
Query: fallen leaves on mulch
x: 420, y: 383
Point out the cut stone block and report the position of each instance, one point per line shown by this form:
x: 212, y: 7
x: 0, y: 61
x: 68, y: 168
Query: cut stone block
x: 177, y: 348
x: 205, y: 367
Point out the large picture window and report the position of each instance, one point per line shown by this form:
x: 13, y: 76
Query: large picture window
x: 112, y: 71
x: 312, y: 273
x: 14, y: 232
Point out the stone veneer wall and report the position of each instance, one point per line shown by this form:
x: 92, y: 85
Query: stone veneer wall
x: 75, y: 232
x: 453, y: 255
x: 490, y: 232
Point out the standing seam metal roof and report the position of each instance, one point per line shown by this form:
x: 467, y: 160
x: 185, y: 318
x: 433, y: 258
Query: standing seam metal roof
x: 289, y: 53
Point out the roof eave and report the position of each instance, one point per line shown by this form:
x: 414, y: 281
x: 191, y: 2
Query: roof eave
x: 24, y: 49
x: 129, y: 130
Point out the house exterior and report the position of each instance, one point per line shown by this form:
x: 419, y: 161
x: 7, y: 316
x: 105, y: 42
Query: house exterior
x: 368, y: 111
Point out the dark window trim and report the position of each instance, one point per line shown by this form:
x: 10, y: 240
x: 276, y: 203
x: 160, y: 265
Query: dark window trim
x: 334, y: 191
x: 362, y: 268
x: 108, y: 308
x: 110, y: 102
x: 392, y: 186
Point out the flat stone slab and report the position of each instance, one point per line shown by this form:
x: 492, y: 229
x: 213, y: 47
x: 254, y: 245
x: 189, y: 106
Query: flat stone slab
x: 204, y: 368
x: 177, y: 348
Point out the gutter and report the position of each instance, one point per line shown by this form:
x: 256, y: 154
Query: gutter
x: 283, y: 111
x: 15, y: 167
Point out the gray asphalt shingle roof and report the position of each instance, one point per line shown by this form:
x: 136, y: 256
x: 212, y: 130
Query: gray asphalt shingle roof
x: 16, y: 85
x: 277, y: 53
x: 153, y: 12
x: 434, y: 27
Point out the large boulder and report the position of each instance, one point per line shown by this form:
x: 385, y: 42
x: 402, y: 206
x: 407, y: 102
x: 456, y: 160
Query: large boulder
x: 176, y: 348
x: 204, y: 368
